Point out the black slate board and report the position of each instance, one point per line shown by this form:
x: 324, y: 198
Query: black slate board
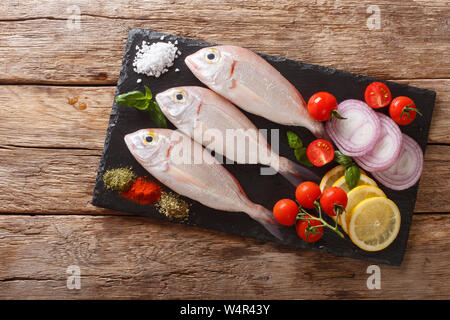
x: 265, y: 190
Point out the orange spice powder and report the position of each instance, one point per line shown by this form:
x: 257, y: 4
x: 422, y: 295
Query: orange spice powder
x: 143, y: 192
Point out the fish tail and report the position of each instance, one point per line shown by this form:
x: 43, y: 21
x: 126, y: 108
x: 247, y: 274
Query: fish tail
x: 296, y: 173
x: 265, y: 217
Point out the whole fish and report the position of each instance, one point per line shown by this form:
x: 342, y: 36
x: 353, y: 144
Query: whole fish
x: 173, y: 158
x: 201, y: 113
x: 250, y: 82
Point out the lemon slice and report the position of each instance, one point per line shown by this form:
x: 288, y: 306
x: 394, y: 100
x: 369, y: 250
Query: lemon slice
x: 331, y: 177
x: 355, y: 196
x: 363, y: 180
x: 374, y: 223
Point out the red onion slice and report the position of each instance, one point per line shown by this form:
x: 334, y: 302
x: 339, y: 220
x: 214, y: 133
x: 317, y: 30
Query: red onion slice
x: 358, y: 133
x: 407, y: 169
x: 386, y: 150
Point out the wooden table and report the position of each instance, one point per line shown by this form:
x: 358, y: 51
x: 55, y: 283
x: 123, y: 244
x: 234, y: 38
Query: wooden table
x: 49, y: 151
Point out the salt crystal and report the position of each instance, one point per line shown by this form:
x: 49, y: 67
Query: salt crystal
x: 176, y: 42
x: 162, y: 38
x: 155, y: 59
x: 139, y: 80
x: 177, y: 70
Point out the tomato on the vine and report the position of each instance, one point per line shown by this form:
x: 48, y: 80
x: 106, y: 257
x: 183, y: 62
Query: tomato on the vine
x: 322, y: 105
x: 285, y: 211
x: 403, y: 110
x: 377, y: 95
x: 309, y: 230
x: 307, y: 192
x: 320, y: 152
x: 331, y: 198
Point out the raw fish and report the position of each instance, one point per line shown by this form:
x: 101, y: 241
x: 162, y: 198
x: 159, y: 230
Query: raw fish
x: 185, y: 167
x: 217, y: 124
x: 250, y: 82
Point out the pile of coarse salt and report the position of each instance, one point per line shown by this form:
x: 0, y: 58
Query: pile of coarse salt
x: 156, y: 58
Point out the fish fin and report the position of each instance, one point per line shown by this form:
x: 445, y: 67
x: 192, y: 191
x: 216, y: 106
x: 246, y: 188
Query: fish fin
x: 296, y: 173
x: 265, y: 218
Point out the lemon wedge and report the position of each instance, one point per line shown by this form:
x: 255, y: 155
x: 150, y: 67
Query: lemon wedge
x: 374, y: 223
x: 355, y: 196
x: 363, y: 180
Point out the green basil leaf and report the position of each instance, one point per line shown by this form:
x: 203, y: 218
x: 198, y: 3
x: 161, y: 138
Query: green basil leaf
x: 156, y: 115
x: 143, y: 101
x: 300, y: 155
x: 342, y: 159
x: 352, y: 175
x: 293, y: 140
x: 135, y: 99
x: 148, y: 92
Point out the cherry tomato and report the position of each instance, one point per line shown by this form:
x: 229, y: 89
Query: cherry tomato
x: 320, y: 152
x: 308, y: 230
x: 332, y: 196
x: 403, y: 110
x: 321, y: 105
x: 377, y: 95
x: 285, y: 212
x: 306, y: 193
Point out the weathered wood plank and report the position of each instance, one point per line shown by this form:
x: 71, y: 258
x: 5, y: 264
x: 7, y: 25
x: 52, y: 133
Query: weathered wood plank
x: 46, y: 181
x: 128, y: 257
x: 40, y: 42
x: 40, y: 116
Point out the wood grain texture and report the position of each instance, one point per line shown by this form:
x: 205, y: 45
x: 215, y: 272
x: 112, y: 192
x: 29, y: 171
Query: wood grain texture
x: 128, y: 257
x: 39, y: 43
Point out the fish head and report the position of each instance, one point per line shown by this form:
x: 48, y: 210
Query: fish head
x: 180, y: 104
x: 150, y: 147
x: 211, y: 65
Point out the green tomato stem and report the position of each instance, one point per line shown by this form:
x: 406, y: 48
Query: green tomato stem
x: 303, y: 213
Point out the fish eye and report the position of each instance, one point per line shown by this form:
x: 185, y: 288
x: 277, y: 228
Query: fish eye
x: 212, y: 55
x: 149, y: 138
x: 179, y: 96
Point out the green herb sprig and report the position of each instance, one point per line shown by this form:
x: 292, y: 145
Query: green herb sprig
x: 352, y: 172
x: 296, y: 143
x: 143, y: 101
